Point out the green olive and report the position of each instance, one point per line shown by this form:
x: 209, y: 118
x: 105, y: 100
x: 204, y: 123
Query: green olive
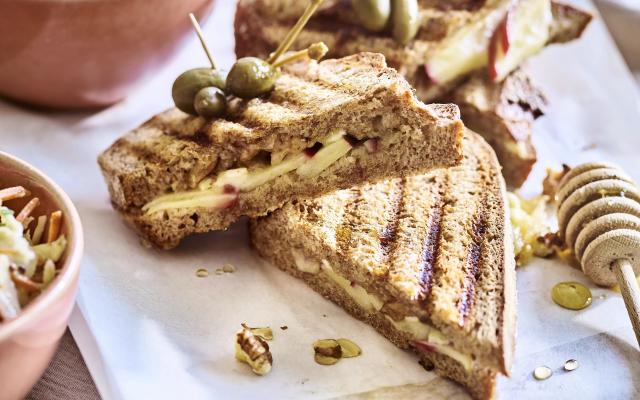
x: 190, y: 82
x: 405, y: 20
x: 251, y: 77
x: 571, y: 295
x: 373, y: 15
x: 210, y: 102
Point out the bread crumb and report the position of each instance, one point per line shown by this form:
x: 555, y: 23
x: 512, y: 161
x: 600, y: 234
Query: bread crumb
x: 284, y: 327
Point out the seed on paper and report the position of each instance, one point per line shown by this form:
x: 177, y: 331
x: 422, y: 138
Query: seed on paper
x: 542, y: 373
x: 349, y: 349
x: 571, y: 365
x: 202, y: 272
x: 228, y: 268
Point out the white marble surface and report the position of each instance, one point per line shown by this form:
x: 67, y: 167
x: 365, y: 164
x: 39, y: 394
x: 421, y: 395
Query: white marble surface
x: 148, y: 328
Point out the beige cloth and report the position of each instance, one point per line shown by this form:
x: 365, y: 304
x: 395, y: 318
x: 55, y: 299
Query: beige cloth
x: 67, y: 376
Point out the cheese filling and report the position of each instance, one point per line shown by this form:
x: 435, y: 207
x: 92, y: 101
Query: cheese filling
x: 223, y: 191
x: 425, y: 337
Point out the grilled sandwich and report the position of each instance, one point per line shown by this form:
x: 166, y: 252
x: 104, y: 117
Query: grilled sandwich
x: 326, y: 126
x: 484, y: 41
x: 426, y: 260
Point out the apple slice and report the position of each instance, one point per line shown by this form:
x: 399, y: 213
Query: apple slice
x: 447, y: 350
x: 264, y: 175
x: 334, y: 136
x: 233, y: 177
x: 523, y: 32
x: 499, y: 44
x: 463, y: 52
x: 192, y: 199
x: 324, y: 158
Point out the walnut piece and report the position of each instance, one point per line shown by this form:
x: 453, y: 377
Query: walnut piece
x: 253, y: 350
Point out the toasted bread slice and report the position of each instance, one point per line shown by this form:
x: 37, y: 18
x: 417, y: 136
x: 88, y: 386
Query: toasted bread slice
x: 426, y: 260
x: 325, y: 126
x: 504, y: 112
x: 261, y: 24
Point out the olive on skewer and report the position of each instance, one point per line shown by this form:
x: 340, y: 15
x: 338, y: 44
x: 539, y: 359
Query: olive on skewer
x: 210, y: 102
x: 400, y: 17
x: 373, y: 15
x: 204, y: 91
x: 192, y: 81
x: 253, y: 77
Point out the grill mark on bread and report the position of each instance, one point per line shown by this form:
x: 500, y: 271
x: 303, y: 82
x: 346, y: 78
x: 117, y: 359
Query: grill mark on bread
x: 200, y: 138
x: 430, y: 252
x: 474, y: 255
x: 389, y: 232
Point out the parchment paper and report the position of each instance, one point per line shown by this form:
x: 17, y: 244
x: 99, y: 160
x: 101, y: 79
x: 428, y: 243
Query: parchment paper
x: 149, y: 328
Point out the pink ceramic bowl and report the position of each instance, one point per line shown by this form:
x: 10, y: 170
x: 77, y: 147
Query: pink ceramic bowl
x: 87, y: 53
x: 28, y: 342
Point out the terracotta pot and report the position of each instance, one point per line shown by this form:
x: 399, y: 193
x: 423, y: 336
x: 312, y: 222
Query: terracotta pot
x: 28, y: 342
x: 87, y: 53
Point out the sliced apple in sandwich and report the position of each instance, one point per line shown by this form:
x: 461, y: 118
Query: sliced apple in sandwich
x: 326, y: 156
x: 462, y: 53
x: 523, y: 32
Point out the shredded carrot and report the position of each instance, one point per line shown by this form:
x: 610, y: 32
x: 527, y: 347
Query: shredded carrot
x: 31, y: 279
x: 55, y: 221
x: 27, y: 210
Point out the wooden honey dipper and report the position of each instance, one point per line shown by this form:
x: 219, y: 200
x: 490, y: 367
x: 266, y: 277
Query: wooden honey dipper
x: 599, y: 219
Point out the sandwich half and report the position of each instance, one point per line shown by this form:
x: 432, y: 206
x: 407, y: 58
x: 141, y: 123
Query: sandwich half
x: 426, y: 260
x: 326, y: 126
x: 483, y: 40
x: 504, y: 112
